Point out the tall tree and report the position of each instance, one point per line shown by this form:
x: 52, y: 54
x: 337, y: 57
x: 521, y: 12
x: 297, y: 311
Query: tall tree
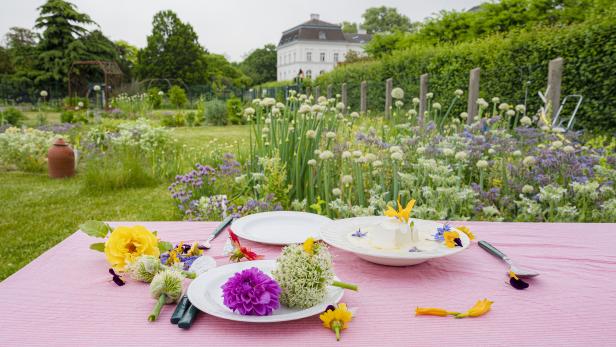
x: 62, y: 25
x: 385, y: 20
x: 21, y: 46
x: 173, y: 51
x: 260, y: 64
x: 349, y: 27
x: 6, y: 66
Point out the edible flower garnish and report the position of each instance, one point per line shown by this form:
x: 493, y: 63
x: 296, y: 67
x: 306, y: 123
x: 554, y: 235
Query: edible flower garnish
x: 183, y: 253
x: 309, y: 245
x: 467, y: 231
x: 452, y: 239
x: 440, y: 231
x: 415, y: 249
x: 336, y: 318
x: 402, y: 214
x: 116, y: 278
x: 516, y: 282
x: 127, y: 243
x: 358, y: 233
x: 481, y: 307
x: 433, y: 311
x: 239, y: 252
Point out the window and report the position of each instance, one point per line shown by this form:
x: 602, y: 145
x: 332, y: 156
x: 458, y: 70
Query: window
x: 322, y: 35
x: 309, y: 74
x: 336, y: 57
x: 322, y: 56
x: 309, y: 56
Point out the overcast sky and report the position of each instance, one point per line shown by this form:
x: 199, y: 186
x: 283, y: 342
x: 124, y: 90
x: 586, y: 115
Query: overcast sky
x: 230, y: 27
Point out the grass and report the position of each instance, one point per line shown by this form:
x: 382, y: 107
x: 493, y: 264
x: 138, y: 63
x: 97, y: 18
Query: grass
x: 38, y: 212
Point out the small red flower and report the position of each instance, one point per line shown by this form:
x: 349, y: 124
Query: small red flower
x: 240, y: 252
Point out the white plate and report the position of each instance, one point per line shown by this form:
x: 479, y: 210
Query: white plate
x: 206, y: 294
x: 337, y: 235
x: 279, y: 227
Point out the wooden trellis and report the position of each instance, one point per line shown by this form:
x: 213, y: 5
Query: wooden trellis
x: 79, y: 86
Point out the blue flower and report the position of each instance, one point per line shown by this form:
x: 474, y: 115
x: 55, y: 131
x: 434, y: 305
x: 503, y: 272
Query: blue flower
x: 441, y: 231
x: 415, y: 249
x: 358, y: 233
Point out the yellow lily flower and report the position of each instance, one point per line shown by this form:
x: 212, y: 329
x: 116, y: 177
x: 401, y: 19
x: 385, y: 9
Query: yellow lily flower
x: 467, y: 231
x: 452, y: 239
x: 336, y: 319
x: 309, y: 245
x: 481, y: 307
x: 402, y: 214
x: 433, y: 311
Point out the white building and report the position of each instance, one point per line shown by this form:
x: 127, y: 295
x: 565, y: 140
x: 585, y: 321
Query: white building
x: 315, y: 47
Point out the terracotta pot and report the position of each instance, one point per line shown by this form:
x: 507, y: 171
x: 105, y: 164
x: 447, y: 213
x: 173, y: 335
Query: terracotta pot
x: 61, y: 160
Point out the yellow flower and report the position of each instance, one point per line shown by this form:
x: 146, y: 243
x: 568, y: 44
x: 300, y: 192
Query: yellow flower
x: 452, y: 238
x: 194, y: 250
x: 336, y: 319
x: 402, y: 214
x: 467, y: 231
x: 481, y: 307
x: 309, y: 245
x: 433, y: 311
x: 125, y: 244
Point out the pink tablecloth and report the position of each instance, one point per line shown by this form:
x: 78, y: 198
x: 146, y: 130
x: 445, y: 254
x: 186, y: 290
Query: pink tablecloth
x: 66, y: 298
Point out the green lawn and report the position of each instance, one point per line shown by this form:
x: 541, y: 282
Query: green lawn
x: 37, y: 212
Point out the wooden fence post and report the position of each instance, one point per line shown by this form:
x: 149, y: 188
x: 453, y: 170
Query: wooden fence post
x: 317, y: 92
x: 363, y: 94
x: 423, y: 99
x: 330, y: 91
x: 344, y: 97
x: 389, y: 83
x: 555, y: 76
x: 473, y: 94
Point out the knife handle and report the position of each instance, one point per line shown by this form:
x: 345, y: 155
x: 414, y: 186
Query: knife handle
x: 492, y: 250
x: 180, y: 309
x: 221, y: 226
x: 189, y: 317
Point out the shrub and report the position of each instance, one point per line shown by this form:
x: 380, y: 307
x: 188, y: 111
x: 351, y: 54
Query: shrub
x: 25, y: 149
x: 177, y: 96
x: 234, y: 110
x: 155, y: 98
x: 67, y: 117
x: 11, y: 116
x: 507, y: 64
x: 216, y: 112
x: 173, y: 120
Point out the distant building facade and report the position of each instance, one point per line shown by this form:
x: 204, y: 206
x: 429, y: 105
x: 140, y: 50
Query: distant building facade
x: 315, y: 47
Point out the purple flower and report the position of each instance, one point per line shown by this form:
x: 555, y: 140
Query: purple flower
x: 252, y: 293
x: 440, y: 232
x: 358, y: 233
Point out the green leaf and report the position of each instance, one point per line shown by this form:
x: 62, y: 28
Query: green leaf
x: 164, y: 246
x: 99, y: 246
x: 95, y: 228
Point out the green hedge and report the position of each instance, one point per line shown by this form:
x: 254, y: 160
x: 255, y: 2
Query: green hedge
x: 509, y: 64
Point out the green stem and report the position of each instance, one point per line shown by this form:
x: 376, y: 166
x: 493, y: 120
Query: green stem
x: 189, y: 274
x: 345, y: 285
x: 156, y: 310
x: 336, y: 327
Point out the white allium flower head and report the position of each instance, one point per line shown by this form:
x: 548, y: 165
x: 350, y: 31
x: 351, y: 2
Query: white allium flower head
x: 96, y: 88
x: 326, y: 155
x: 568, y: 149
x: 393, y: 149
x: 370, y: 157
x: 346, y: 179
x: 44, y: 93
x: 464, y: 115
x: 256, y: 101
x: 462, y: 155
x: 397, y: 156
x: 420, y: 150
x: 415, y: 101
x: 268, y: 120
x: 312, y: 162
x: 482, y: 103
x: 357, y: 153
x: 527, y: 189
x: 526, y: 121
x: 265, y: 130
x: 249, y: 111
x: 517, y: 153
x: 322, y: 100
x: 510, y: 113
x: 448, y: 152
x: 311, y: 134
x: 346, y: 154
x: 529, y: 160
x: 412, y: 113
x: 304, y: 109
x: 491, y: 151
x: 161, y: 93
x: 495, y: 100
x: 436, y: 106
x: 399, y: 103
x: 280, y: 105
x: 520, y: 108
x: 80, y: 104
x: 330, y: 135
x: 490, y: 211
x: 557, y: 144
x: 336, y: 191
x: 377, y: 163
x: 482, y: 164
x: 429, y: 95
x: 354, y: 115
x: 458, y: 92
x: 340, y: 106
x: 397, y: 93
x: 503, y: 107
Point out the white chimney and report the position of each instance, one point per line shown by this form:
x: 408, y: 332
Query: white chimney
x: 314, y: 16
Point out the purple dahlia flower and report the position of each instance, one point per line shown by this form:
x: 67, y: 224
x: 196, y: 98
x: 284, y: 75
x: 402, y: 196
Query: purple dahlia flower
x: 252, y: 293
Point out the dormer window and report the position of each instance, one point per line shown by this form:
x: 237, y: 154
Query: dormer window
x: 322, y: 35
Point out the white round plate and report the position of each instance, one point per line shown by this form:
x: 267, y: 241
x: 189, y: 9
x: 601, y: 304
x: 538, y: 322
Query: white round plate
x: 279, y: 227
x: 338, y: 233
x: 206, y: 294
